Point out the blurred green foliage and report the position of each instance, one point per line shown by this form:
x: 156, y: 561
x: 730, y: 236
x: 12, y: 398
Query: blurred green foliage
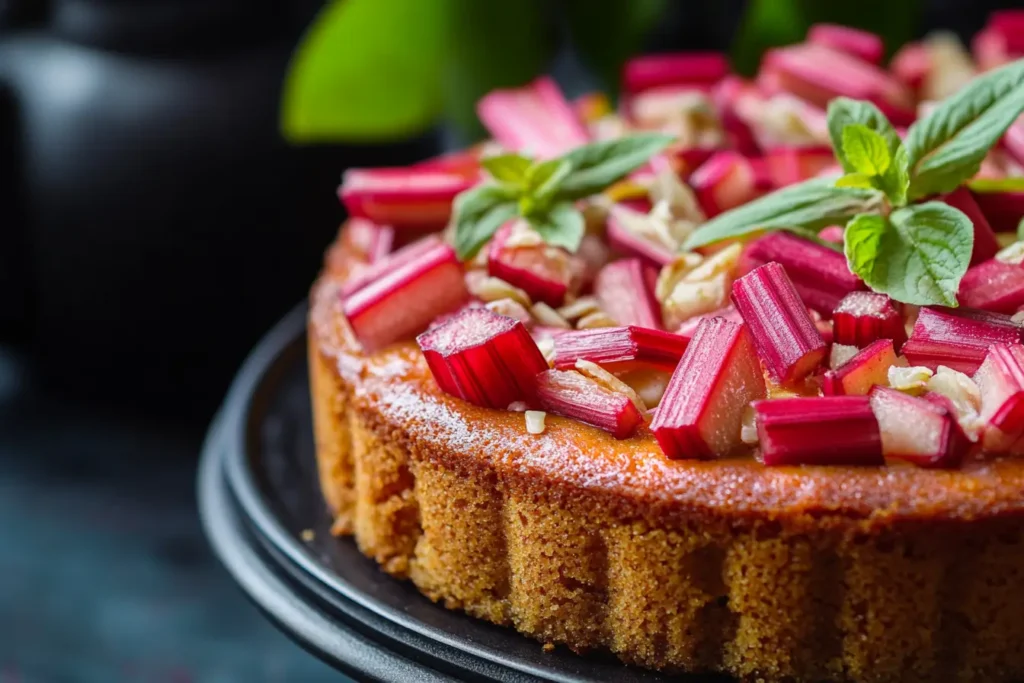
x: 377, y: 70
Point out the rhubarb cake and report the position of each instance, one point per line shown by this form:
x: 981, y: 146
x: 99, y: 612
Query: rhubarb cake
x: 609, y: 404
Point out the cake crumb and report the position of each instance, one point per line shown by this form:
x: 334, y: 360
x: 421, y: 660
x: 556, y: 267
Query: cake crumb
x: 307, y: 535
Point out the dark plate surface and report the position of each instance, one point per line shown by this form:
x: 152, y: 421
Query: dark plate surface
x: 270, y: 467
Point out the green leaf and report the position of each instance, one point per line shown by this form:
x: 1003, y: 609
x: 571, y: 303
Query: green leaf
x: 996, y: 185
x: 947, y: 147
x: 865, y: 150
x: 805, y: 207
x: 843, y: 112
x: 1020, y: 230
x: 545, y: 178
x: 896, y: 181
x: 508, y: 168
x: 479, y: 212
x: 856, y: 180
x: 597, y: 165
x: 917, y: 255
x: 367, y: 70
x: 562, y: 226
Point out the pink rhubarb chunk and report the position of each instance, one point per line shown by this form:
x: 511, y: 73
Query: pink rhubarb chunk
x: 858, y: 375
x: 993, y: 286
x: 487, y: 359
x: 958, y: 338
x: 1003, y: 210
x: 402, y: 197
x: 408, y: 289
x: 535, y: 119
x: 627, y: 241
x: 625, y: 290
x: 923, y: 431
x: 788, y: 341
x: 543, y: 272
x: 573, y: 395
x: 620, y: 349
x: 861, y: 44
x: 723, y: 182
x: 681, y: 68
x: 985, y: 243
x: 1000, y: 380
x: 864, y: 317
x: 701, y: 411
x: 818, y: 430
x: 371, y: 240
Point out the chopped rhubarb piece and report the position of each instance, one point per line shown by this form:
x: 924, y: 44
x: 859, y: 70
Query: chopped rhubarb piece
x: 620, y: 349
x: 465, y: 163
x: 654, y: 71
x: 1000, y: 380
x: 625, y: 290
x: 570, y: 394
x: 378, y: 269
x: 787, y: 339
x: 911, y: 64
x: 1003, y: 209
x: 862, y: 44
x: 957, y: 338
x: 820, y: 274
x: 985, y: 243
x: 402, y: 197
x: 864, y: 317
x: 624, y: 236
x: 726, y: 97
x: 487, y: 359
x: 923, y: 431
x: 408, y: 289
x: 793, y: 164
x: 371, y: 240
x: 688, y: 328
x: 536, y: 119
x: 818, y: 430
x: 819, y: 74
x: 1010, y: 24
x: 833, y: 233
x: 855, y: 377
x: 993, y: 286
x: 724, y: 181
x: 1013, y: 140
x: 700, y: 414
x: 544, y: 272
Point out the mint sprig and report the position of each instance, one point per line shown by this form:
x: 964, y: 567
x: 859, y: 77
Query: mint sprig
x: 915, y: 253
x: 543, y: 192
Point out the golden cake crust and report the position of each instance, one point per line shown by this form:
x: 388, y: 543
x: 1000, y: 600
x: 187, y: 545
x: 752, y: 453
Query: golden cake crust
x: 573, y: 537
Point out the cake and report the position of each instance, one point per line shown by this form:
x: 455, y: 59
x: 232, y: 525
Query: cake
x: 827, y: 540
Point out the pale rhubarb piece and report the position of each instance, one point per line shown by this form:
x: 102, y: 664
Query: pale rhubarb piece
x: 818, y: 430
x: 993, y: 286
x: 534, y: 119
x: 625, y: 290
x: 570, y: 394
x: 864, y: 317
x: 701, y: 411
x: 868, y: 368
x: 861, y: 44
x: 688, y: 328
x: 790, y: 164
x: 725, y: 181
x: 958, y: 338
x: 787, y: 339
x: 409, y: 289
x: 484, y: 358
x: 372, y: 240
x: 626, y: 235
x: 1000, y: 380
x: 415, y: 198
x: 620, y: 349
x: 920, y: 430
x: 544, y: 272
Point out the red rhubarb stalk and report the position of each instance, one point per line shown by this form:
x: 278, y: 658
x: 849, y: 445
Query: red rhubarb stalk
x: 985, y: 243
x: 570, y: 394
x: 864, y: 317
x: 923, y: 431
x: 536, y: 119
x: 544, y: 272
x: 624, y: 237
x: 487, y: 359
x: 371, y: 240
x: 820, y: 274
x: 701, y: 411
x: 723, y: 182
x: 911, y: 65
x: 790, y: 164
x: 402, y: 197
x: 408, y: 289
x: 1002, y: 209
x: 993, y: 286
x: 654, y: 71
x: 1000, y: 380
x: 625, y: 290
x: 858, y: 375
x: 860, y: 44
x: 689, y: 327
x: 620, y: 349
x: 818, y: 430
x: 787, y: 339
x: 957, y: 338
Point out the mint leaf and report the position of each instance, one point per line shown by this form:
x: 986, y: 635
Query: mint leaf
x: 843, y: 112
x: 856, y: 180
x: 865, y: 150
x: 895, y: 182
x: 947, y: 147
x: 508, y: 168
x: 597, y: 165
x: 996, y: 185
x: 917, y: 255
x: 805, y: 208
x: 479, y: 212
x: 562, y: 226
x: 545, y: 179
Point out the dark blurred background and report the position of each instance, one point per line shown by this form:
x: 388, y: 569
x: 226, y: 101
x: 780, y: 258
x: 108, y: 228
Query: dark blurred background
x: 154, y: 221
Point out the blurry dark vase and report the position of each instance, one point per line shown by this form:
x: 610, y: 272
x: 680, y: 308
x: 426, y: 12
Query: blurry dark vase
x: 152, y: 221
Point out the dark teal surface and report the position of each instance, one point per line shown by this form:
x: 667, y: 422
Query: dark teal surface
x: 105, y: 576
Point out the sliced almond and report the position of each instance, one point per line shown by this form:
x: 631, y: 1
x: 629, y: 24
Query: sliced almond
x: 609, y: 381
